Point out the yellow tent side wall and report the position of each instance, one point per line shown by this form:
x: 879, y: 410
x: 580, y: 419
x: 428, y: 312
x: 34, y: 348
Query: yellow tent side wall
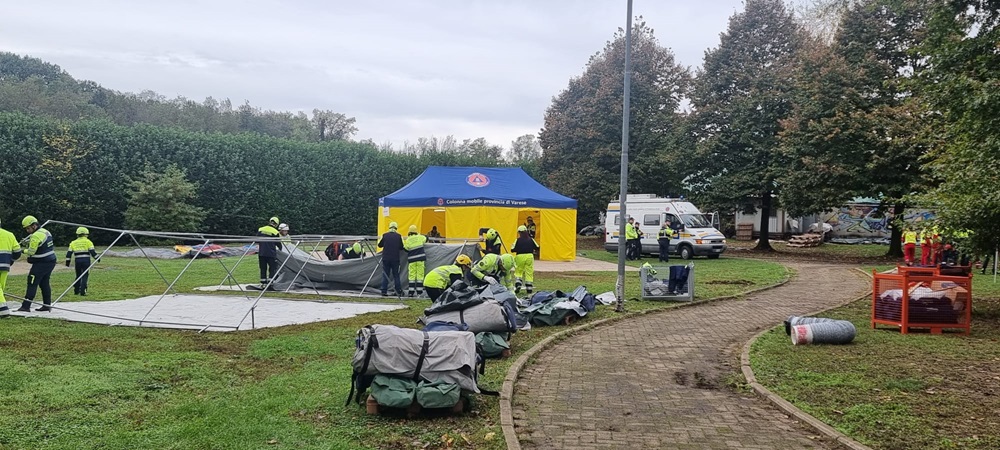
x: 556, y: 227
x: 557, y: 234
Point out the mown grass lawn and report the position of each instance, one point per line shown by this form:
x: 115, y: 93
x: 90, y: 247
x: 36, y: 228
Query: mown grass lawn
x: 71, y: 385
x: 895, y: 391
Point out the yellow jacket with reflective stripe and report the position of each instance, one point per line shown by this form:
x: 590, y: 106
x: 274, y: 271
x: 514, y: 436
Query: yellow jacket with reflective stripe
x: 909, y: 237
x: 41, y: 248
x: 440, y: 277
x: 10, y: 249
x: 81, y: 248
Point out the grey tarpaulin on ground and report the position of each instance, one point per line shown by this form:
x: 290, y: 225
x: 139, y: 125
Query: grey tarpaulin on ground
x: 305, y: 271
x: 819, y: 330
x: 450, y: 356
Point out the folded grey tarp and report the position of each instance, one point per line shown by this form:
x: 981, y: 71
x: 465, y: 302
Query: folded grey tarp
x: 445, y: 356
x: 488, y: 316
x: 354, y: 274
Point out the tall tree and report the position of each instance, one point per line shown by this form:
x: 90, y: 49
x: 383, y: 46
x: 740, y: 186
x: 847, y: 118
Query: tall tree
x: 525, y: 149
x: 963, y: 83
x: 740, y: 97
x: 854, y: 130
x: 581, y: 139
x: 331, y: 125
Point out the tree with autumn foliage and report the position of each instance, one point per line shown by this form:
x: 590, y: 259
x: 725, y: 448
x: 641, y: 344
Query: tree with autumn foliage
x: 855, y: 129
x: 740, y: 98
x: 581, y: 139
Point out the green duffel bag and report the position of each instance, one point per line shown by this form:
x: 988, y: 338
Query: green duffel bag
x: 393, y: 392
x: 493, y: 344
x: 438, y: 395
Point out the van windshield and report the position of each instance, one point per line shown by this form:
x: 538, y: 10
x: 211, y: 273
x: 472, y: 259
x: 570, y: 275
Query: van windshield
x: 695, y: 221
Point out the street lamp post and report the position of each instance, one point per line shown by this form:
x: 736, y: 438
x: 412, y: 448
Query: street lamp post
x: 623, y: 191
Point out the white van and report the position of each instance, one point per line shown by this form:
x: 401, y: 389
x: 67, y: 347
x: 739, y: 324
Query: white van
x: 698, y: 238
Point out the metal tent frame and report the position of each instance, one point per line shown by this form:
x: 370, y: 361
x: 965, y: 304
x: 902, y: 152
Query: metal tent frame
x: 297, y: 242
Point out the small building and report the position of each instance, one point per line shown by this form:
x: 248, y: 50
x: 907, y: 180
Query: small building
x: 860, y: 218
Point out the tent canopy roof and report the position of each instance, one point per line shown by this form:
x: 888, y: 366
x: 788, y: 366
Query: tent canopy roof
x: 476, y: 186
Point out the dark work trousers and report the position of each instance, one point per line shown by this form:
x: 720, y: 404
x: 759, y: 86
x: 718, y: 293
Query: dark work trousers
x: 664, y: 250
x: 81, y: 265
x: 38, y: 277
x: 268, y: 268
x: 391, y: 268
x: 636, y: 248
x: 434, y: 293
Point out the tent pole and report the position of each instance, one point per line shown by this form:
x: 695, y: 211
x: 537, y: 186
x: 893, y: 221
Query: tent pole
x: 85, y: 272
x: 233, y: 277
x: 301, y: 268
x: 157, y: 269
x: 377, y: 265
x: 246, y: 251
x: 261, y: 295
x: 169, y: 288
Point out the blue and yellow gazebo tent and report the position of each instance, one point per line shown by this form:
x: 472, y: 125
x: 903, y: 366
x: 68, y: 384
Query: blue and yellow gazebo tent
x: 460, y: 200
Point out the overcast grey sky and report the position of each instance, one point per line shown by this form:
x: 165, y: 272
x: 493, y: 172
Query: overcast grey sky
x: 405, y: 69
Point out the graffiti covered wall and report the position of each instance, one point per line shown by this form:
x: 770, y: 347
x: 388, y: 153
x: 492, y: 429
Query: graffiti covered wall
x: 866, y: 220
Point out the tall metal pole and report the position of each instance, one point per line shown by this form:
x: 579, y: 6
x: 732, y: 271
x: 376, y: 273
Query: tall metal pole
x: 623, y: 193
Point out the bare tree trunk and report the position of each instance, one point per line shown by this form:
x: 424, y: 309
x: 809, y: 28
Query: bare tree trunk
x: 895, y: 246
x: 764, y: 244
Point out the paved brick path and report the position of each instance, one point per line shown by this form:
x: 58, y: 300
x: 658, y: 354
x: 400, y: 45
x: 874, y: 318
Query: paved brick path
x: 659, y: 381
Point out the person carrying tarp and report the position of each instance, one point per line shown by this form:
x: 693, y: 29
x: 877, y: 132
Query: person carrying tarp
x: 267, y: 251
x: 81, y: 250
x: 10, y: 251
x: 524, y: 260
x: 391, y: 244
x: 350, y: 252
x: 439, y: 279
x: 491, y: 240
x: 495, y: 269
x: 41, y: 253
x: 415, y: 259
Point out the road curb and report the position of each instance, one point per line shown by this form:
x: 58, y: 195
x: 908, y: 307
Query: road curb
x: 514, y: 372
x: 785, y: 405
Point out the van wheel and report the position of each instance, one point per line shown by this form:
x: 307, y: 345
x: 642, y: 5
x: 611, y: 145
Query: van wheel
x: 687, y: 252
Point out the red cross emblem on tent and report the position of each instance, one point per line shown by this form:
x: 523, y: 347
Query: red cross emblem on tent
x: 477, y: 179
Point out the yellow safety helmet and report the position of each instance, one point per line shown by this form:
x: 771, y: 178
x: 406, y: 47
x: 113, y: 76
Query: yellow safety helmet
x: 274, y: 220
x: 507, y: 261
x: 522, y: 228
x: 393, y: 225
x: 413, y: 229
x: 82, y: 231
x: 491, y: 234
x: 356, y: 247
x: 28, y: 220
x: 463, y: 260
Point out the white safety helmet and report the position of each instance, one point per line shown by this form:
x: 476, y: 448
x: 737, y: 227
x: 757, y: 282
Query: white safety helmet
x: 283, y: 227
